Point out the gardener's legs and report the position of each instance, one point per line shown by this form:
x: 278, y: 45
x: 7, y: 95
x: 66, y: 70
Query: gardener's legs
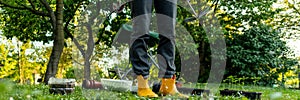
x: 166, y: 20
x: 141, y: 11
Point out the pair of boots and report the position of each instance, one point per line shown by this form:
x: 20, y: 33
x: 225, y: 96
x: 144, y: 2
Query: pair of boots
x: 167, y: 87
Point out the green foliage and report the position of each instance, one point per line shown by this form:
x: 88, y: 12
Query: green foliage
x: 259, y: 52
x: 254, y: 50
x: 23, y: 24
x: 114, y: 24
x: 70, y: 73
x: 241, y: 15
x: 29, y: 25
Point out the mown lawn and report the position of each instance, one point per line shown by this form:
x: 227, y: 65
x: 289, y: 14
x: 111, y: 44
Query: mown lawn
x: 12, y: 91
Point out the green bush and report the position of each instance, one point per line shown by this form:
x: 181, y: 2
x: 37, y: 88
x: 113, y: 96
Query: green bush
x: 260, y: 53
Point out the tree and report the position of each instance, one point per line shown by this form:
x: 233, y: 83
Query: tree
x: 42, y: 21
x: 91, y: 30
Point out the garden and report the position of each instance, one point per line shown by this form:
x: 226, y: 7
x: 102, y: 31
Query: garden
x: 225, y: 50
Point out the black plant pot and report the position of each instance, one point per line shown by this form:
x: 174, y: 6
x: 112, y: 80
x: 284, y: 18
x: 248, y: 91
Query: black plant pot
x: 62, y: 88
x: 61, y: 91
x: 193, y: 91
x: 249, y: 95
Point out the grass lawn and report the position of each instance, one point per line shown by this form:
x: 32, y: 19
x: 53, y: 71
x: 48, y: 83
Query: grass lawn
x: 12, y: 91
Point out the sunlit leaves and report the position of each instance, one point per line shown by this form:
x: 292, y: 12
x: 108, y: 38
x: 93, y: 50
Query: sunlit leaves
x: 19, y: 63
x: 288, y: 19
x: 246, y: 13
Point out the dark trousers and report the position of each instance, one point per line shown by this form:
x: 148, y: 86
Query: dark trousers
x: 166, y: 20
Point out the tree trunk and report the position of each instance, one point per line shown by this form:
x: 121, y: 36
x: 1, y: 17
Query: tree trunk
x: 89, y: 52
x: 201, y: 51
x: 87, y: 69
x: 58, y: 44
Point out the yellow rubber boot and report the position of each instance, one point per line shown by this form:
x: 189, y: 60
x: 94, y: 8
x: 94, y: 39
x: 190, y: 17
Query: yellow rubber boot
x: 168, y: 87
x: 143, y: 88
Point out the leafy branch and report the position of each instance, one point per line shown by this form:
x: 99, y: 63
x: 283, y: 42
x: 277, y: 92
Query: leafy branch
x: 23, y: 7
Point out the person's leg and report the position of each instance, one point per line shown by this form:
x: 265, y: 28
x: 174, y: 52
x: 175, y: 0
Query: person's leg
x: 141, y: 13
x: 166, y: 21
